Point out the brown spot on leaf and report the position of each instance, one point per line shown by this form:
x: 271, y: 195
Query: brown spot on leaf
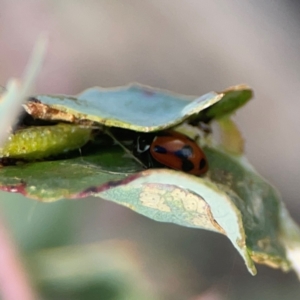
x: 213, y: 221
x: 16, y: 188
x: 42, y: 111
x: 108, y: 185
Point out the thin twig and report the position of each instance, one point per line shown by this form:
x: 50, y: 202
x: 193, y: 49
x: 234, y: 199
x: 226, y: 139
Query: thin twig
x: 107, y: 131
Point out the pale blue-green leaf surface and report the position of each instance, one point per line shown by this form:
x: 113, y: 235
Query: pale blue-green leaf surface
x: 135, y: 107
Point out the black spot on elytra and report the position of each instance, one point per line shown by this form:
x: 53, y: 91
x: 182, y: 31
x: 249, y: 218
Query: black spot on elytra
x: 185, y: 152
x: 159, y: 149
x: 187, y: 165
x: 202, y: 164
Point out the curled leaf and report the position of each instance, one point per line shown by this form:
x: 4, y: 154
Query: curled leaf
x: 134, y: 107
x: 233, y: 98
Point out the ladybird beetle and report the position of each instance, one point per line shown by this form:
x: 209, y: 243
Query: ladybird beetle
x: 176, y: 151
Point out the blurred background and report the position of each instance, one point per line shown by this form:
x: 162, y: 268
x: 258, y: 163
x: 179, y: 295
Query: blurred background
x: 190, y: 47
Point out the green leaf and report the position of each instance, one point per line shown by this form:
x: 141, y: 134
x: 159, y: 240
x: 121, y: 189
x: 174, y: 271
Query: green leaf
x: 233, y: 98
x: 68, y: 178
x: 256, y: 200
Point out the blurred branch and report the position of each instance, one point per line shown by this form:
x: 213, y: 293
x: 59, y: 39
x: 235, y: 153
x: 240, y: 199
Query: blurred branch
x: 14, y: 284
x: 17, y: 91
